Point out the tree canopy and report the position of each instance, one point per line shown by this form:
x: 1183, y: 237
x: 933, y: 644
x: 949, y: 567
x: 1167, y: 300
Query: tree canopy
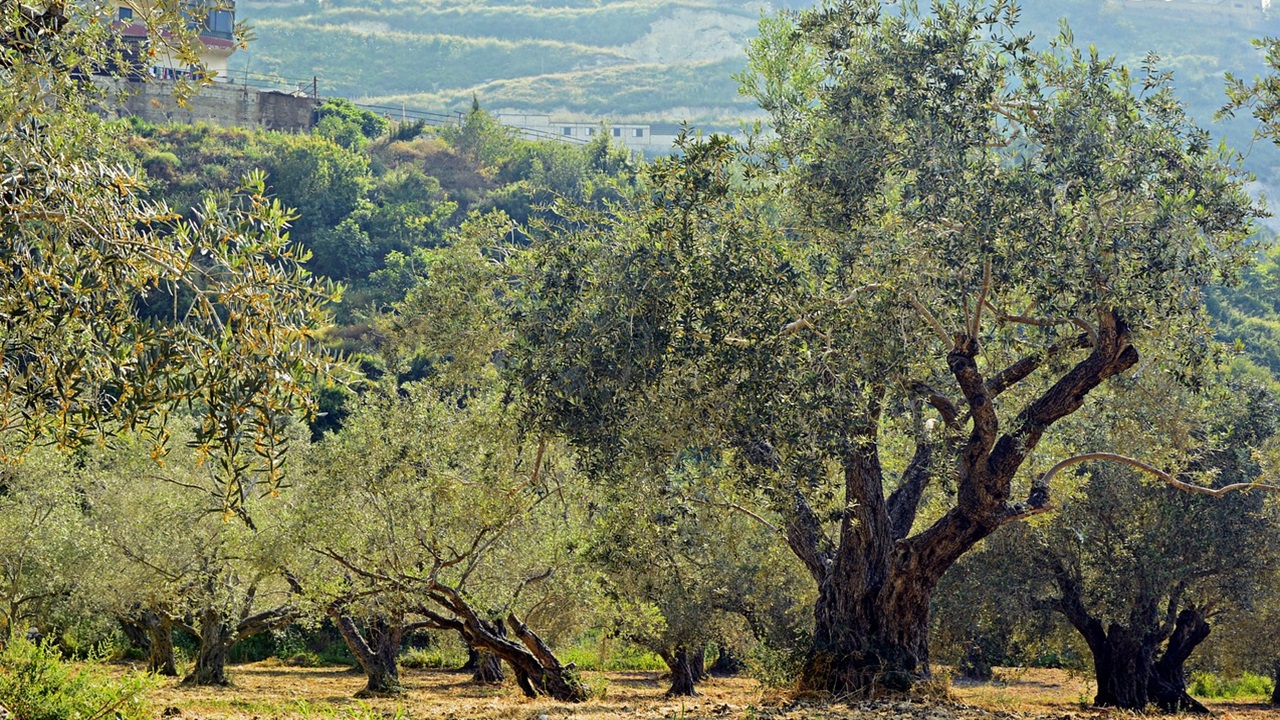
x: 952, y: 241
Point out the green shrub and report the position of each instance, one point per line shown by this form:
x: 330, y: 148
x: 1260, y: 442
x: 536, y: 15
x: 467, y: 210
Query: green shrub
x: 37, y: 684
x: 586, y: 655
x: 432, y: 658
x: 1209, y: 685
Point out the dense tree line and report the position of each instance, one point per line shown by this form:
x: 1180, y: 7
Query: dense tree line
x: 803, y: 398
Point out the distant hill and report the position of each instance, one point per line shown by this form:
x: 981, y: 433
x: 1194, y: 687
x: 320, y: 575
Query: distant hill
x: 661, y: 59
x: 629, y: 58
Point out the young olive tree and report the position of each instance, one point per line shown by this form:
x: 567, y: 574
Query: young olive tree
x: 432, y: 502
x: 43, y: 551
x: 952, y: 243
x: 435, y: 515
x: 178, y: 560
x: 682, y: 564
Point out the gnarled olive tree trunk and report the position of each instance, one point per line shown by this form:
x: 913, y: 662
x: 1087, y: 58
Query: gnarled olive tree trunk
x: 537, y: 670
x: 218, y: 634
x: 1141, y: 663
x: 683, y: 671
x: 875, y: 581
x: 159, y: 628
x: 377, y: 653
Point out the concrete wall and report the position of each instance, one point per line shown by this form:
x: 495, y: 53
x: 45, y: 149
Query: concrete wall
x: 224, y: 104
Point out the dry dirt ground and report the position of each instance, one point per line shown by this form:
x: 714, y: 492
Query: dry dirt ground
x: 271, y: 690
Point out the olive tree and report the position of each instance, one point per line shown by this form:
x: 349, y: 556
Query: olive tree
x: 43, y: 552
x: 953, y: 241
x: 435, y: 507
x: 176, y: 559
x: 83, y: 245
x: 1143, y: 573
x: 434, y: 515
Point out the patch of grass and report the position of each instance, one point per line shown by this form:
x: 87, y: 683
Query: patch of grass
x: 1248, y: 685
x: 432, y: 658
x: 616, y: 657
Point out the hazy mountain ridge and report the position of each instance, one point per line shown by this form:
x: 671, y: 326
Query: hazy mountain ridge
x: 648, y: 59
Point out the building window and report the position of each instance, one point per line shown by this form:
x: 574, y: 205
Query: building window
x: 566, y: 131
x: 591, y: 131
x: 125, y: 13
x: 617, y: 132
x: 639, y: 132
x: 220, y: 23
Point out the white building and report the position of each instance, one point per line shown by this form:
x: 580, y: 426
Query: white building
x: 646, y: 137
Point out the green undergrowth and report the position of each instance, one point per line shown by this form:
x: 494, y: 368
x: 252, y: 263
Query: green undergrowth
x: 591, y: 655
x: 1248, y: 685
x: 36, y: 683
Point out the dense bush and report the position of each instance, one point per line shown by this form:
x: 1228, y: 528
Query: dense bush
x: 1209, y: 685
x: 37, y: 684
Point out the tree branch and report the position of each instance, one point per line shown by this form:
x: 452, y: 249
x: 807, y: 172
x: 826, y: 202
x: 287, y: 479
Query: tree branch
x: 1043, y: 482
x: 932, y: 321
x: 975, y: 322
x: 1018, y: 371
x: 745, y: 511
x: 905, y: 500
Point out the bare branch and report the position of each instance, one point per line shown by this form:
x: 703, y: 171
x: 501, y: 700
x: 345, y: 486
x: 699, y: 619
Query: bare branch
x: 975, y: 322
x: 745, y: 511
x: 933, y: 323
x: 1043, y: 482
x: 853, y: 294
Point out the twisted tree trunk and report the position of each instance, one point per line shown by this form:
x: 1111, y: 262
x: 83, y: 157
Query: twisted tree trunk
x: 871, y: 619
x: 537, y: 670
x: 1169, y: 679
x: 682, y: 672
x: 217, y: 636
x: 726, y: 664
x: 211, y: 657
x: 1125, y: 664
x: 377, y: 654
x: 160, y: 658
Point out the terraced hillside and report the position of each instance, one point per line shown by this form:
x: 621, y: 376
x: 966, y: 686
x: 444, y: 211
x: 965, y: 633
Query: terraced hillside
x: 631, y: 57
x: 647, y: 59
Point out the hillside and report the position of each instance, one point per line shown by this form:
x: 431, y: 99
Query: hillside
x: 651, y: 59
x: 630, y: 58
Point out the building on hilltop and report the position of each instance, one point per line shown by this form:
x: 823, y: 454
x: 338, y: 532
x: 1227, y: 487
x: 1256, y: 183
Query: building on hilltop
x: 650, y: 138
x: 214, y: 24
x: 147, y: 89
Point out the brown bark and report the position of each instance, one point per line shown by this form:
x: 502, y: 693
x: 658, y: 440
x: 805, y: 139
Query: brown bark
x: 211, y: 657
x: 488, y: 667
x: 727, y: 664
x: 538, y: 671
x: 1125, y: 665
x: 698, y: 663
x: 1169, y: 680
x: 682, y: 673
x: 137, y: 635
x: 1275, y: 680
x: 875, y: 585
x: 377, y: 654
x: 488, y: 670
x: 160, y: 658
x: 217, y: 636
